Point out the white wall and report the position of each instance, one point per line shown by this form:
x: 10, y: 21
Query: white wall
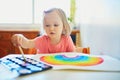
x: 102, y: 39
x: 100, y: 26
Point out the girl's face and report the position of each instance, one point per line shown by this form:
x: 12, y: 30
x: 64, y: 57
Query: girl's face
x: 53, y: 25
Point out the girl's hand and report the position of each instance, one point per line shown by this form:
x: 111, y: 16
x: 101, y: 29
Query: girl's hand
x: 79, y: 49
x: 17, y: 39
x: 85, y: 50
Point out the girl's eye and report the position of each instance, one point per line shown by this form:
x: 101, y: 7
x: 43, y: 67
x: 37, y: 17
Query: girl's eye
x: 56, y: 25
x: 47, y: 25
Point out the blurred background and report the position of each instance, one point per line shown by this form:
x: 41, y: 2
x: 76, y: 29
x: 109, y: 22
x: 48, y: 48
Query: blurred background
x: 97, y: 20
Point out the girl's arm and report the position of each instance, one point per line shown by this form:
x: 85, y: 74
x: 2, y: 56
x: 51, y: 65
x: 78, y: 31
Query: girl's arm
x: 79, y: 49
x: 20, y: 40
x: 83, y: 50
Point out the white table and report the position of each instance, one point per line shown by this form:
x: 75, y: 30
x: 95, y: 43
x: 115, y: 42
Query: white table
x: 61, y: 74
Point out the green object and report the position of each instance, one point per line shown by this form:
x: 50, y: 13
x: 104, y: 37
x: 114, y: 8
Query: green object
x: 72, y: 11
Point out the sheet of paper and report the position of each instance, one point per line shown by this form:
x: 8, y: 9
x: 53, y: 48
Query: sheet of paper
x: 80, y: 61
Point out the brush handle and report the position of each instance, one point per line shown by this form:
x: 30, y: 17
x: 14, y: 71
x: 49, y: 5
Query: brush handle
x: 21, y: 51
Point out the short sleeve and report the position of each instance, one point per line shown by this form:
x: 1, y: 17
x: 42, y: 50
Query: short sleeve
x: 70, y: 44
x: 41, y: 44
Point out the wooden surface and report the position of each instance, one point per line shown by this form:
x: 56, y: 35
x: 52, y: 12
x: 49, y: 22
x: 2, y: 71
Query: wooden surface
x: 6, y: 46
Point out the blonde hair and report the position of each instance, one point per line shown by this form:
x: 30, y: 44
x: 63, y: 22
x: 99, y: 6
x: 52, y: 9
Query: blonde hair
x: 61, y: 13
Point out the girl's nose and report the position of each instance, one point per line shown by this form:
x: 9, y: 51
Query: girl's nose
x: 51, y: 27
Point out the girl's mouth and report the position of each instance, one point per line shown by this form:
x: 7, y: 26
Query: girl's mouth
x: 52, y: 33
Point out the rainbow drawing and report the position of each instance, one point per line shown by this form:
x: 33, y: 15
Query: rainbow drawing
x: 79, y: 60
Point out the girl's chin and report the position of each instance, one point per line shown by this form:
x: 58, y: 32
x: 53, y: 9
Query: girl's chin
x: 52, y: 36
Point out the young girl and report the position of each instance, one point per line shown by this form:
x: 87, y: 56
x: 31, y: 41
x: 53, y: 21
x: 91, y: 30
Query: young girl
x: 57, y: 38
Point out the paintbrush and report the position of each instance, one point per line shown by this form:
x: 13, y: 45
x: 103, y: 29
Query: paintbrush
x: 21, y: 51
